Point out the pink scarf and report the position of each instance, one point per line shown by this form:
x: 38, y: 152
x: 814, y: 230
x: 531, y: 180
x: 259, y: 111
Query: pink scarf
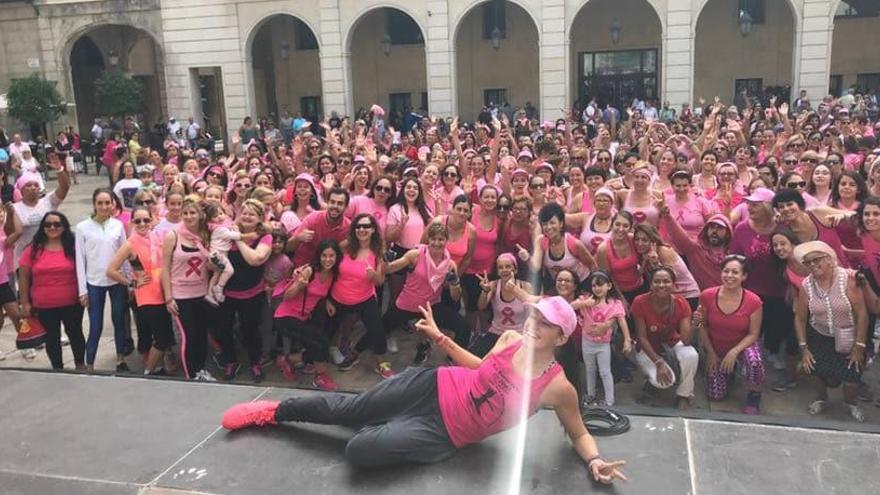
x: 184, y: 234
x: 436, y: 272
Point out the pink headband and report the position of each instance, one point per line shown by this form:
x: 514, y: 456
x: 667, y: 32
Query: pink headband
x: 509, y: 257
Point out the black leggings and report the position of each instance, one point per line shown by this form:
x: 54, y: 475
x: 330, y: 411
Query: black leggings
x: 250, y: 312
x: 778, y: 326
x: 193, y: 324
x: 368, y: 312
x: 71, y: 316
x: 399, y: 419
x: 446, y: 316
x: 312, y: 336
x: 154, y: 328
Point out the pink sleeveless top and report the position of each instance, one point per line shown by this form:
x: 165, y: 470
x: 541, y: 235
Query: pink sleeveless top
x: 352, y: 285
x: 425, y: 282
x: 477, y: 403
x: 591, y: 238
x: 484, y: 251
x: 871, y: 259
x: 506, y: 315
x: 624, y: 271
x: 301, y: 306
x: 459, y: 247
x: 642, y: 214
x: 149, y: 252
x: 829, y: 236
x: 189, y: 271
x: 568, y: 260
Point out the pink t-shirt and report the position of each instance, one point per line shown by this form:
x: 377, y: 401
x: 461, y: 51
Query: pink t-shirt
x: 691, y: 214
x: 352, y: 285
x: 317, y: 222
x: 726, y: 330
x: 598, y: 314
x: 364, y: 204
x: 53, y: 279
x: 411, y: 233
x: 301, y: 306
x: 477, y: 403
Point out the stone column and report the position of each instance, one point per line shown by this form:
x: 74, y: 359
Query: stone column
x: 334, y: 61
x: 553, y: 60
x: 812, y: 52
x: 438, y: 58
x: 677, y: 54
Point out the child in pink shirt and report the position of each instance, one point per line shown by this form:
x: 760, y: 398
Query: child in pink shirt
x: 600, y: 312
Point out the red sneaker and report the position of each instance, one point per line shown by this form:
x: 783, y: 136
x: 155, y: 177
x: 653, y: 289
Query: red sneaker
x: 384, y: 370
x: 259, y: 413
x: 325, y: 382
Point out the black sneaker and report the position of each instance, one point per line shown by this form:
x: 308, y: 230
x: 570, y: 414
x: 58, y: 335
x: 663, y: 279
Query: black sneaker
x: 230, y: 371
x: 122, y: 368
x: 423, y: 351
x: 350, y: 362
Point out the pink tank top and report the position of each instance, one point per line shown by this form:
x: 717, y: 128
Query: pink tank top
x: 506, y: 315
x: 149, y: 252
x: 642, y: 214
x: 477, y: 403
x: 568, y: 260
x: 301, y: 306
x: 624, y: 271
x: 352, y: 285
x: 425, y: 282
x: 829, y: 236
x: 189, y: 271
x: 459, y: 247
x: 591, y: 238
x: 484, y: 251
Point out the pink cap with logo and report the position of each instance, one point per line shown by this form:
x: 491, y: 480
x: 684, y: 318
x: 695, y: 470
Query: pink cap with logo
x: 557, y: 311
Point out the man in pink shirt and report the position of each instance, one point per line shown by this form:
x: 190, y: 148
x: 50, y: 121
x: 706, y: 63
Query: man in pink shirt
x: 705, y: 254
x: 320, y: 225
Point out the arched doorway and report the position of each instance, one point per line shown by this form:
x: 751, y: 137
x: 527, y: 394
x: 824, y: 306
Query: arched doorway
x: 496, y: 58
x: 388, y: 64
x: 732, y: 56
x: 853, y: 64
x: 615, y: 52
x: 287, y: 69
x: 131, y: 50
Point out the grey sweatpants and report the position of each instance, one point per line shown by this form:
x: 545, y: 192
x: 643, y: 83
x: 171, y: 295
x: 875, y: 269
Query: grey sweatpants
x: 399, y: 419
x: 597, y: 359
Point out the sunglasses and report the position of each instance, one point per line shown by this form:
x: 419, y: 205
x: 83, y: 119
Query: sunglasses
x: 796, y: 185
x: 796, y: 145
x: 141, y: 221
x: 384, y: 189
x: 537, y: 186
x: 145, y: 202
x: 502, y: 207
x: 363, y: 226
x: 214, y: 174
x: 450, y: 174
x: 240, y: 185
x: 53, y: 225
x: 790, y: 162
x: 810, y: 160
x: 603, y: 160
x: 816, y: 260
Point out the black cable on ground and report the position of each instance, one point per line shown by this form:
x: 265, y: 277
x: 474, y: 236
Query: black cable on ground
x: 604, y: 422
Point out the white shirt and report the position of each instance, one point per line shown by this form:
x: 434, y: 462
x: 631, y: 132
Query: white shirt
x: 125, y: 190
x: 96, y: 245
x: 30, y: 217
x: 192, y: 131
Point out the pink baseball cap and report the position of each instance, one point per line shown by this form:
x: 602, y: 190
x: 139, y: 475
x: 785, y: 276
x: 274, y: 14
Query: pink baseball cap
x: 545, y: 165
x: 760, y: 195
x: 519, y: 171
x: 524, y: 154
x: 557, y: 311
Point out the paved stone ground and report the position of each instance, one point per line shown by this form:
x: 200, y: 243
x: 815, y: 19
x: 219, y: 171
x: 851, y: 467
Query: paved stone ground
x: 791, y: 404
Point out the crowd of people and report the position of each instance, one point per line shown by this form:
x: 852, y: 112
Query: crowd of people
x: 719, y: 240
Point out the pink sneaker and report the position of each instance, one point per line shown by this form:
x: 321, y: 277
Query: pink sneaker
x: 325, y: 382
x: 259, y: 413
x: 286, y: 369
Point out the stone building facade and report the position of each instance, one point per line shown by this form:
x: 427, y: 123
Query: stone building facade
x: 227, y: 59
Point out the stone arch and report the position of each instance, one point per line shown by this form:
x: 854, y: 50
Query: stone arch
x: 793, y: 5
x: 456, y: 24
x: 156, y: 93
x: 655, y: 4
x: 369, y: 9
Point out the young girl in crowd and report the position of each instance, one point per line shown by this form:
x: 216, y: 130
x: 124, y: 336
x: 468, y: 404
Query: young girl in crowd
x: 223, y: 235
x: 508, y: 312
x: 602, y: 311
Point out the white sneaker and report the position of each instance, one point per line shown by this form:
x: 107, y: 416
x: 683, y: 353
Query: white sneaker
x: 204, y: 376
x: 392, y: 345
x: 29, y: 354
x: 336, y: 355
x: 64, y: 341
